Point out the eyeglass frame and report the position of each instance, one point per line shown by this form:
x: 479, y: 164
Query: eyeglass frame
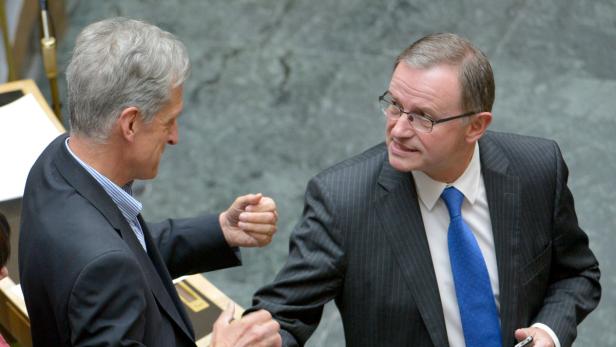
x: 426, y: 116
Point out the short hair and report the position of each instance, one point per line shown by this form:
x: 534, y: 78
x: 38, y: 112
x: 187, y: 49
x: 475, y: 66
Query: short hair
x: 475, y: 72
x: 119, y: 63
x: 5, y: 240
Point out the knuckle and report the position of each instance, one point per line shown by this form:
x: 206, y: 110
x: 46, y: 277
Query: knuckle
x: 276, y: 325
x: 256, y: 333
x: 263, y: 315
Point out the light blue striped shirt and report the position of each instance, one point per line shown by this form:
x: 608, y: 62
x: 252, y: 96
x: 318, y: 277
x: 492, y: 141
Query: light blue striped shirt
x: 122, y: 197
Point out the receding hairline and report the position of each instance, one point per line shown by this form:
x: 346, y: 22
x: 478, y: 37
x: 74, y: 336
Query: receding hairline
x: 474, y: 71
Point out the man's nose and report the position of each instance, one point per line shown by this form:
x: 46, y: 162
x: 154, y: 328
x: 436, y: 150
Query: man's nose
x: 174, y: 136
x: 402, y: 127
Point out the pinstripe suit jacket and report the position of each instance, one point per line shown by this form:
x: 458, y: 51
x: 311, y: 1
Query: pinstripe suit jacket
x: 362, y: 243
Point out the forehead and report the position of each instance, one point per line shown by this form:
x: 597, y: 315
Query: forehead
x: 433, y: 86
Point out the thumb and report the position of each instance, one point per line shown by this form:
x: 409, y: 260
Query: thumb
x: 521, y: 334
x: 227, y: 315
x: 250, y: 199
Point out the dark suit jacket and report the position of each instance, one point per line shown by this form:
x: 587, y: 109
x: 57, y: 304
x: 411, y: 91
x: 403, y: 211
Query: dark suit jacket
x: 362, y: 243
x: 86, y: 279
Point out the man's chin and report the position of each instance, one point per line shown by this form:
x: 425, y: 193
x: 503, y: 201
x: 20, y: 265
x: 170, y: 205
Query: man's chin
x: 401, y: 164
x: 148, y: 175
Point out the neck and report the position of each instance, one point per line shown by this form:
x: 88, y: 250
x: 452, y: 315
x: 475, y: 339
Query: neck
x: 106, y: 158
x: 453, y: 172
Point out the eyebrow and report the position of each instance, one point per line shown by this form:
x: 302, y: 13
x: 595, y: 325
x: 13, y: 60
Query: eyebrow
x: 428, y: 111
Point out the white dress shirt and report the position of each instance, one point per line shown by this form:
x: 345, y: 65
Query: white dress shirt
x: 476, y: 214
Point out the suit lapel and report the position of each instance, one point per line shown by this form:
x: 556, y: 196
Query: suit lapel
x: 86, y: 185
x: 156, y: 281
x: 167, y: 283
x: 91, y: 190
x: 400, y: 215
x: 503, y: 194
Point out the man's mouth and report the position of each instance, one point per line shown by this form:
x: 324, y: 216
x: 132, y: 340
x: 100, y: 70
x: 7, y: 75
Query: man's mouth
x: 398, y: 147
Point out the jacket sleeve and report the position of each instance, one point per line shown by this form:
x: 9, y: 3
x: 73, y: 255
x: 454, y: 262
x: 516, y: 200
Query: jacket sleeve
x: 110, y: 314
x: 574, y: 289
x: 313, y: 273
x: 193, y: 245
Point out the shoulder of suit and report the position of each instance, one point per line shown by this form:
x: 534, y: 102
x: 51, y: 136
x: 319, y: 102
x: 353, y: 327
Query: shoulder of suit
x: 370, y: 160
x: 51, y: 151
x: 511, y: 138
x: 527, y: 156
x: 43, y: 168
x: 515, y: 144
x: 70, y: 224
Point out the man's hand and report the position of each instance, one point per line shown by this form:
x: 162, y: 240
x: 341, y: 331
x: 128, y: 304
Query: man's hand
x: 540, y: 337
x: 256, y: 329
x: 250, y: 221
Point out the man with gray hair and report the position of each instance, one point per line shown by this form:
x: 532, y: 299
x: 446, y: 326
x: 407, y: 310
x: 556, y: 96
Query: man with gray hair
x: 447, y: 234
x: 93, y: 272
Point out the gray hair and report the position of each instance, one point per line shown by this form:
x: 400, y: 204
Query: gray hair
x: 475, y: 73
x: 119, y: 63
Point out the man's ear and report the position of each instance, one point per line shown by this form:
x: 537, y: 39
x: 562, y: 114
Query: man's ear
x: 128, y: 123
x: 478, y: 125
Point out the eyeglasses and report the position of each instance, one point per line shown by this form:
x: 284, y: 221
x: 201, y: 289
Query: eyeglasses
x: 423, y: 123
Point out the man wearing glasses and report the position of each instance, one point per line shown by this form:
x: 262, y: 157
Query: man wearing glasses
x: 445, y: 235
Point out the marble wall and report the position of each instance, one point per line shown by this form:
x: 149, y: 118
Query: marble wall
x: 283, y: 89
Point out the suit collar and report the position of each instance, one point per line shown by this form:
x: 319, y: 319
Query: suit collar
x: 85, y: 184
x: 121, y: 196
x: 503, y: 194
x: 389, y: 178
x: 492, y: 156
x: 92, y: 191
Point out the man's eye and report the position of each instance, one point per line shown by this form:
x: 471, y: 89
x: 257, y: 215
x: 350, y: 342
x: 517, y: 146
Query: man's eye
x: 424, y: 116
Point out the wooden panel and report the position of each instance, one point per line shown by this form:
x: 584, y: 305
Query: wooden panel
x: 19, y: 326
x: 13, y: 313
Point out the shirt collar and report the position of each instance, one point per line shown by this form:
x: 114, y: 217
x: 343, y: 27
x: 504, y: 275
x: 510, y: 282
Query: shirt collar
x: 121, y: 196
x: 429, y: 190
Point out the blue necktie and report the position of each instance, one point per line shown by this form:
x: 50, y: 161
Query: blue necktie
x: 475, y: 298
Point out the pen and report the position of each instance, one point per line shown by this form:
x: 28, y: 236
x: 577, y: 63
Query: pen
x: 525, y: 342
